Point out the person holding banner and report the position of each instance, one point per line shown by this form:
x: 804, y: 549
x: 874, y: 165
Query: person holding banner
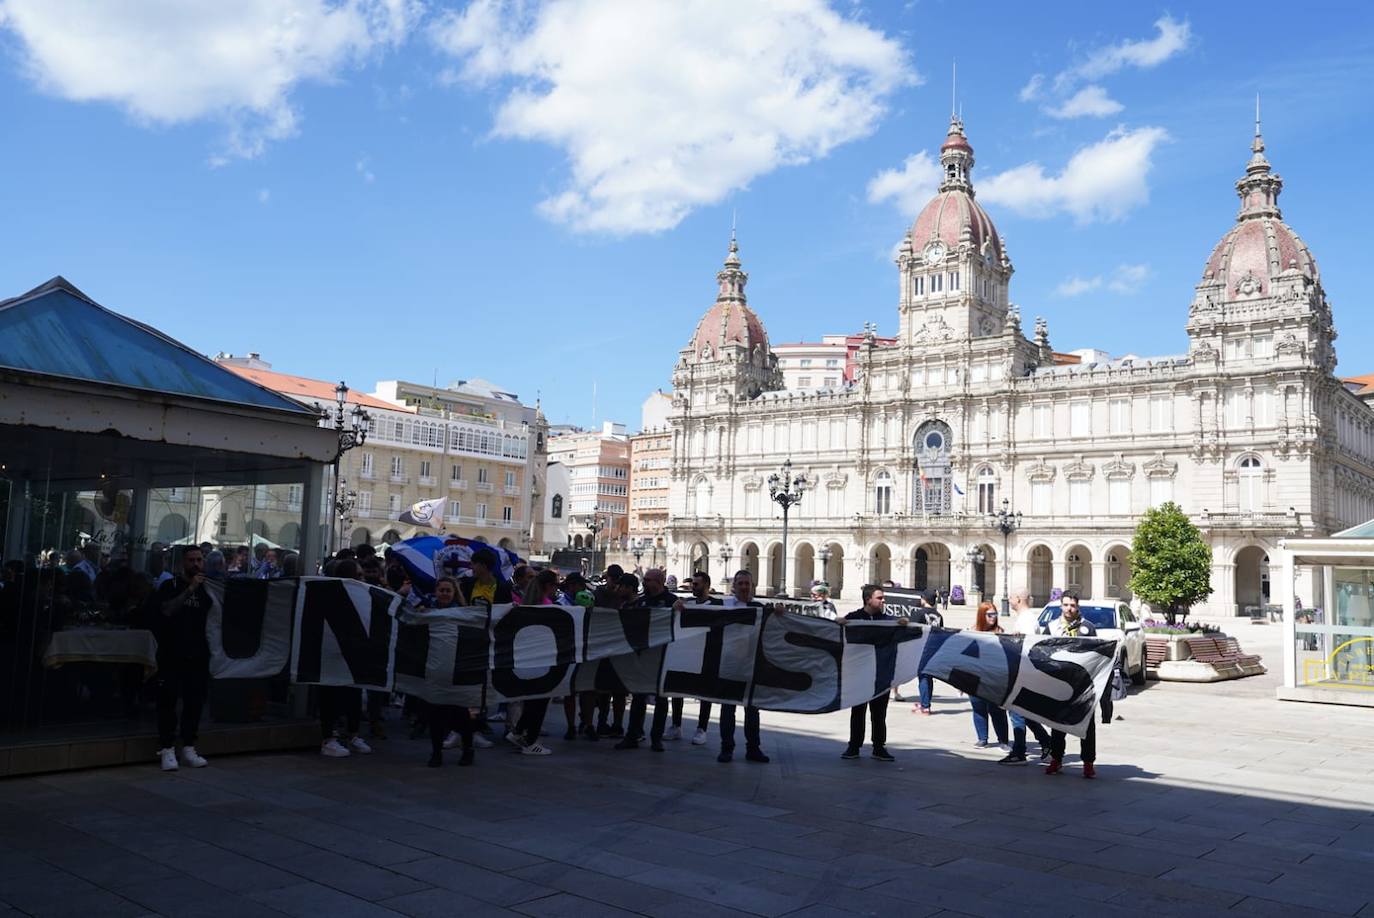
x: 984, y: 711
x: 742, y: 594
x: 525, y: 735
x: 933, y: 618
x: 482, y: 585
x: 701, y: 595
x: 876, y: 709
x: 655, y: 596
x: 1071, y: 623
x: 1026, y: 620
x: 446, y: 718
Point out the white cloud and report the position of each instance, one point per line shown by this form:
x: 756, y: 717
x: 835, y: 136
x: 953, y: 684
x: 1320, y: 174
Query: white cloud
x: 663, y: 107
x: 1124, y: 279
x: 167, y: 63
x: 908, y: 188
x: 264, y: 195
x: 1172, y: 37
x: 363, y: 168
x: 1101, y: 182
x: 1091, y: 101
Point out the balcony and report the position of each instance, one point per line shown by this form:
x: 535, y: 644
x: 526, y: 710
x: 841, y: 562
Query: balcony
x: 427, y: 479
x: 511, y: 490
x: 399, y: 478
x: 486, y: 486
x: 458, y: 484
x: 367, y: 474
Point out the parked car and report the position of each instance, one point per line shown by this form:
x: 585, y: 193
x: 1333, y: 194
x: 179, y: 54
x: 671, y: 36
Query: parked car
x: 1114, y: 621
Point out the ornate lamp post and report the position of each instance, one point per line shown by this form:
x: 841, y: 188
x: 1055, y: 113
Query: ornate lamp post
x: 786, y: 491
x: 824, y: 556
x: 725, y: 566
x: 1005, y: 522
x: 637, y: 549
x: 352, y: 430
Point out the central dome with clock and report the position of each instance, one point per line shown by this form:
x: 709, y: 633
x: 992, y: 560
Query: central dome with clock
x: 953, y: 217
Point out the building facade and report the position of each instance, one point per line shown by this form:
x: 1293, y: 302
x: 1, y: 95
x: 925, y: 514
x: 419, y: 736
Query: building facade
x: 1249, y: 431
x: 598, y: 464
x: 826, y: 364
x: 470, y: 442
x: 651, y: 459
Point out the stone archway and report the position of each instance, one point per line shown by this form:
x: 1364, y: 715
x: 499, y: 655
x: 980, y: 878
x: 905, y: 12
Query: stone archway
x: 290, y: 536
x: 1078, y: 571
x: 775, y: 562
x: 700, y: 559
x: 577, y: 542
x: 360, y: 536
x: 803, y: 568
x: 879, y: 564
x: 749, y: 559
x: 1040, y: 565
x: 1117, y: 572
x: 930, y: 566
x: 172, y: 528
x: 833, y: 570
x: 391, y: 537
x: 985, y: 576
x: 1252, y: 577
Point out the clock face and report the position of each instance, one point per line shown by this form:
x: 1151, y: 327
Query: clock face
x: 935, y: 253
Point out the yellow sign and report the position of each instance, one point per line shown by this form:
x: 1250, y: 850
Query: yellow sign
x: 1351, y: 665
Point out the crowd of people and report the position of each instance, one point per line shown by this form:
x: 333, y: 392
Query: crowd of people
x: 173, y: 603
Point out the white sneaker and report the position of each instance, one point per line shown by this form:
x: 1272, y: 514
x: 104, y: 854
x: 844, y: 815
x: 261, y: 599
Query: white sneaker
x: 191, y: 758
x: 515, y: 739
x: 672, y: 733
x: 169, y: 759
x: 359, y: 745
x: 451, y: 740
x: 333, y: 748
x: 699, y: 738
x: 536, y: 749
x: 481, y: 742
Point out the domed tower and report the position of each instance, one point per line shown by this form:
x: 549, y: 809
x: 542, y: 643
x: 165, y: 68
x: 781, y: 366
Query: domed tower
x: 953, y: 268
x: 728, y: 358
x: 1261, y: 294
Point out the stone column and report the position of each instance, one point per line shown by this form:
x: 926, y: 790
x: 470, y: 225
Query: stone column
x: 1099, y: 575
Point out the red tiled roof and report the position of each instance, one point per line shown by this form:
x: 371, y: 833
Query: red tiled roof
x: 309, y: 390
x: 1365, y: 382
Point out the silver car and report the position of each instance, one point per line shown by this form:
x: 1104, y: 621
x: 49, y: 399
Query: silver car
x: 1114, y: 621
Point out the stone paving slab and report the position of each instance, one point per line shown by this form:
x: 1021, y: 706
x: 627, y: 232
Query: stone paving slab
x: 1212, y: 800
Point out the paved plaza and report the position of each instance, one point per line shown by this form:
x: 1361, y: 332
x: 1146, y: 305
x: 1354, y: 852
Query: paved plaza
x: 1212, y: 799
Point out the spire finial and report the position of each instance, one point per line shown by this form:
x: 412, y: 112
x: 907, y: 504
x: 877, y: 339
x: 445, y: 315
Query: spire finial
x: 1257, y: 114
x: 953, y: 88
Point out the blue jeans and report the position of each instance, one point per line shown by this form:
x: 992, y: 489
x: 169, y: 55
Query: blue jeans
x: 982, y: 711
x: 927, y: 687
x: 1018, y: 733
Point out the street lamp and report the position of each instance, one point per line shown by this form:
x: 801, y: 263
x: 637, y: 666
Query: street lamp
x: 976, y: 558
x: 1006, y: 522
x: 786, y: 491
x: 351, y: 428
x: 725, y: 564
x: 824, y: 556
x: 637, y: 549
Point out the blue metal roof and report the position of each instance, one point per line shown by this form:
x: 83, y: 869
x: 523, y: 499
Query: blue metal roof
x: 57, y: 330
x: 1362, y: 531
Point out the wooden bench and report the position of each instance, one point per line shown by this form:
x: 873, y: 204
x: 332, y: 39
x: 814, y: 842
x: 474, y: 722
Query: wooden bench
x: 1220, y: 651
x: 1156, y: 651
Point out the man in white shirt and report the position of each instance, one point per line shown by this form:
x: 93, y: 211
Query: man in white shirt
x: 1025, y: 620
x: 741, y: 594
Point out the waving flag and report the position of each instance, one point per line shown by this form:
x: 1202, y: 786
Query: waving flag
x: 427, y: 557
x: 426, y: 513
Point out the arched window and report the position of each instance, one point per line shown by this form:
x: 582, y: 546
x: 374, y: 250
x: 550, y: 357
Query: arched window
x: 882, y: 494
x: 1250, y: 477
x: 987, y: 490
x: 1075, y: 571
x: 556, y: 511
x: 701, y: 503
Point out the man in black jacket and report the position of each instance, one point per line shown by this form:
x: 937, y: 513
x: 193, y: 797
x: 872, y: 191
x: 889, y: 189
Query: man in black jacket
x: 872, y: 610
x: 655, y: 596
x: 1071, y: 623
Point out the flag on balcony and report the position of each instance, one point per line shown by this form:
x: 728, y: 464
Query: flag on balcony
x: 426, y: 513
x: 957, y: 490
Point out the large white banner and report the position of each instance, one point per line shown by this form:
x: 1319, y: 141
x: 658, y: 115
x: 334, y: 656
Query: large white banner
x: 347, y: 633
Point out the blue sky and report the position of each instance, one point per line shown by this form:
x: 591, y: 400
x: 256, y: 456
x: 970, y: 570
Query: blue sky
x: 541, y: 195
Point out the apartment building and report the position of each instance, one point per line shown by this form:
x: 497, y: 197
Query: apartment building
x: 598, y: 464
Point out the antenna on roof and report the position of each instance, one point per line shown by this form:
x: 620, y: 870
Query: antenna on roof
x: 1257, y: 114
x: 953, y: 88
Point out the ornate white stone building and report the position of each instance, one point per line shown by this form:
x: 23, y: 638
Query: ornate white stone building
x: 1250, y: 431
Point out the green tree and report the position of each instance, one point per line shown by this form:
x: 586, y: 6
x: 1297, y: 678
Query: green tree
x: 1171, y: 564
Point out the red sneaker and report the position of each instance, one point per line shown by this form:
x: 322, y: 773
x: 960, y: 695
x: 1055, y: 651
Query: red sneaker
x: 1088, y: 770
x: 1055, y: 767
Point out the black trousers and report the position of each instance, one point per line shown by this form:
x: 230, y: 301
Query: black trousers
x: 189, y: 681
x: 1087, y: 746
x: 704, y: 715
x: 877, y: 712
x: 532, y: 719
x: 339, y: 701
x: 727, y: 727
x: 639, y: 705
x: 446, y: 717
